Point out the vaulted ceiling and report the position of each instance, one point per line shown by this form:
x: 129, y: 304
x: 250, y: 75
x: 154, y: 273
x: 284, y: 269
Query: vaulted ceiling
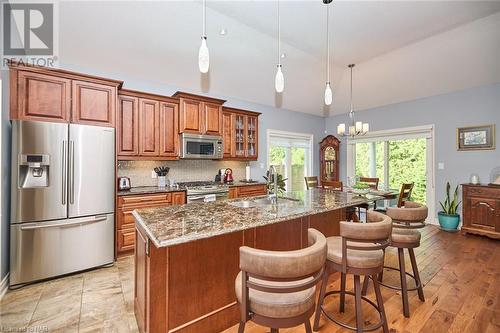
x: 403, y: 49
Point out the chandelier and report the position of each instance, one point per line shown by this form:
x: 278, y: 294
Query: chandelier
x: 355, y: 127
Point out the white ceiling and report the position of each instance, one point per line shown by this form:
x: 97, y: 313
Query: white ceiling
x: 158, y: 42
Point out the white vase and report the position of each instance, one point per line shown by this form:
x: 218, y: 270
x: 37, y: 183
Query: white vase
x: 162, y: 181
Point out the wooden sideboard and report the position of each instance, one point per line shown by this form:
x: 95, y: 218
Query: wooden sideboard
x: 481, y: 210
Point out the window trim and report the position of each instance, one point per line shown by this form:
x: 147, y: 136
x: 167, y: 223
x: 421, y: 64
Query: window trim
x: 291, y: 135
x: 425, y: 131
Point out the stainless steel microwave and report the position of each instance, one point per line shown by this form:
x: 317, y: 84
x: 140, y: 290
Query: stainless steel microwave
x: 196, y: 146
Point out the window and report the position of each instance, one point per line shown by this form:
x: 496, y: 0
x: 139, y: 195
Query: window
x: 396, y: 157
x: 291, y: 155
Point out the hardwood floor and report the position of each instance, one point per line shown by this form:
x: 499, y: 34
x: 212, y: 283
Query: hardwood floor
x: 461, y: 275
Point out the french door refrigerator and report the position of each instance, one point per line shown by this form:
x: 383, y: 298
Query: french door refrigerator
x: 62, y: 199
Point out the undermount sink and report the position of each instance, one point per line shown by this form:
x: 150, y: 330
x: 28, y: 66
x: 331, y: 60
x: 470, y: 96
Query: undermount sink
x: 261, y: 202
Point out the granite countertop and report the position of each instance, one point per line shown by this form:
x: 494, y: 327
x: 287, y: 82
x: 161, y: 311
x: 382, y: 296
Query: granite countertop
x: 173, y: 225
x: 148, y: 190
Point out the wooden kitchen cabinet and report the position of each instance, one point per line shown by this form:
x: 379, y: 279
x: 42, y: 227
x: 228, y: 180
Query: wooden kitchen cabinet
x: 125, y: 222
x: 43, y: 94
x: 149, y: 129
x: 199, y: 114
x: 147, y: 126
x: 240, y: 134
x: 93, y: 103
x: 481, y: 210
x: 127, y: 126
x: 247, y: 191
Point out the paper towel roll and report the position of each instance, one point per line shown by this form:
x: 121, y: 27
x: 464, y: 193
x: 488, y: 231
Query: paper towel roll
x: 247, y: 173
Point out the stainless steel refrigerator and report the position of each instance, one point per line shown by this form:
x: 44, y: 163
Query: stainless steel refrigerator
x: 62, y: 199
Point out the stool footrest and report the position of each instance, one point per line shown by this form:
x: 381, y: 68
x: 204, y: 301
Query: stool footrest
x: 417, y: 285
x: 363, y: 298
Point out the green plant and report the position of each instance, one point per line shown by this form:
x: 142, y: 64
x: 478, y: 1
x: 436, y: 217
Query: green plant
x: 361, y: 186
x: 450, y: 206
x: 281, y: 183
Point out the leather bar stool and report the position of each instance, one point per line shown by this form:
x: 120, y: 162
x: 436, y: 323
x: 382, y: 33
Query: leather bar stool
x: 405, y: 236
x: 358, y: 251
x: 277, y: 288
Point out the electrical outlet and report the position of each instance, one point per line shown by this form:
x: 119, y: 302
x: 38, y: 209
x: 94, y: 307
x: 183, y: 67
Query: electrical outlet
x: 440, y: 166
x: 153, y: 174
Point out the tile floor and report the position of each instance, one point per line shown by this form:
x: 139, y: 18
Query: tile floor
x: 95, y: 301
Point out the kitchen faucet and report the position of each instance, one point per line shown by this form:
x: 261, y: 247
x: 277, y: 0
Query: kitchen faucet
x: 273, y: 175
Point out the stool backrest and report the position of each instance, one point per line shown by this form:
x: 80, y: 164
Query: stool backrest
x: 376, y: 234
x: 311, y: 182
x: 411, y: 215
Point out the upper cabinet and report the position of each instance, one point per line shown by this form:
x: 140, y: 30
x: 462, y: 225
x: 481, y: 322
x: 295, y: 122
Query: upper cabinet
x: 147, y: 126
x: 43, y: 94
x: 93, y: 103
x: 199, y: 114
x: 240, y: 134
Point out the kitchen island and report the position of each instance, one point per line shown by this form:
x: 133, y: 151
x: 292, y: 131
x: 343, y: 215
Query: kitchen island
x: 187, y: 257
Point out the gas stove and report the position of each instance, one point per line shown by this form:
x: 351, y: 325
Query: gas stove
x: 204, y: 190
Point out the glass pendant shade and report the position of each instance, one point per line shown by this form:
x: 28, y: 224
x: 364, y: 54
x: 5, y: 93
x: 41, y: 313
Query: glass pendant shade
x: 341, y: 129
x: 328, y: 94
x: 279, y: 80
x: 366, y: 128
x: 203, y: 56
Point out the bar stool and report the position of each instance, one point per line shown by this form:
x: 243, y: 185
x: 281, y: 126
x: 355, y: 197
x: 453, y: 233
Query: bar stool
x: 404, y: 236
x: 277, y: 288
x: 358, y: 251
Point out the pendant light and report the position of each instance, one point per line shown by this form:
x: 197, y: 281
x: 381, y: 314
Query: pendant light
x: 279, y: 80
x: 203, y: 55
x: 356, y: 127
x: 328, y: 88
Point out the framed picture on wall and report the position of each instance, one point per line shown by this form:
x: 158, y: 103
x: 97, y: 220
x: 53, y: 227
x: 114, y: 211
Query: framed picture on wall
x: 476, y: 137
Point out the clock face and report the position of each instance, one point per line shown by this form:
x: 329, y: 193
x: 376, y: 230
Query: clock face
x: 329, y: 154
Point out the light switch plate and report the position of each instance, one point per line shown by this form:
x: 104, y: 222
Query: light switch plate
x: 440, y: 166
x: 153, y: 174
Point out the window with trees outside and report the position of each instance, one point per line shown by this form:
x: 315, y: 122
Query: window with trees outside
x: 290, y: 154
x: 404, y: 159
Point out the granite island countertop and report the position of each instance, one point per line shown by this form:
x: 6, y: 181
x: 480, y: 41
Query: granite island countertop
x: 172, y: 225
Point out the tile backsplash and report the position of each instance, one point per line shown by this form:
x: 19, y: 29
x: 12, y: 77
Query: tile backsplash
x: 139, y: 172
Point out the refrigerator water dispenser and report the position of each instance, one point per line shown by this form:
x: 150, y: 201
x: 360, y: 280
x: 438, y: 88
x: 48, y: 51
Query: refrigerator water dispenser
x: 33, y: 170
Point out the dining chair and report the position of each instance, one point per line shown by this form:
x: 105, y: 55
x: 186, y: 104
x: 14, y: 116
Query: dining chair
x: 332, y: 185
x: 276, y: 289
x: 405, y: 193
x: 372, y: 182
x: 311, y: 182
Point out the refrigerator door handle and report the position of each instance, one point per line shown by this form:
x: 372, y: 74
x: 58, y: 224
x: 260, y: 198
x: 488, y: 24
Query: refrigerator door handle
x: 64, y: 172
x: 94, y: 219
x: 71, y: 172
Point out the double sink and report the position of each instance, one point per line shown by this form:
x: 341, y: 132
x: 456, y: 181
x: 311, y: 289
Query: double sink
x: 263, y: 202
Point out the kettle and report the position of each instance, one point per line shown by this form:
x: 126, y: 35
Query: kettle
x: 123, y: 183
x: 228, y: 176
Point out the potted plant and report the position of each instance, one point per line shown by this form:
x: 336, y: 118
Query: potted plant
x: 281, y: 183
x: 448, y: 217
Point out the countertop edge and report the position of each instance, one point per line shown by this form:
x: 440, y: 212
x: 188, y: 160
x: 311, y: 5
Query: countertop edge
x: 195, y: 237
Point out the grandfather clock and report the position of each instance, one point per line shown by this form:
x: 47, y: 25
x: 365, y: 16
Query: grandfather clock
x: 329, y: 158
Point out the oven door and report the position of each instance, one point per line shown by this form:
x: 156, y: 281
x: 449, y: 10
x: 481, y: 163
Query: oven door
x: 207, y: 197
x: 201, y: 146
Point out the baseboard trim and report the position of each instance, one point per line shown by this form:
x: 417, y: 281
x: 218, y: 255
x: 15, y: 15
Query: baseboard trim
x: 4, y: 285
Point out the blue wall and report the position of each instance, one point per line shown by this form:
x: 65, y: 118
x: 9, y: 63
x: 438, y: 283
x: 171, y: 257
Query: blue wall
x: 476, y: 106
